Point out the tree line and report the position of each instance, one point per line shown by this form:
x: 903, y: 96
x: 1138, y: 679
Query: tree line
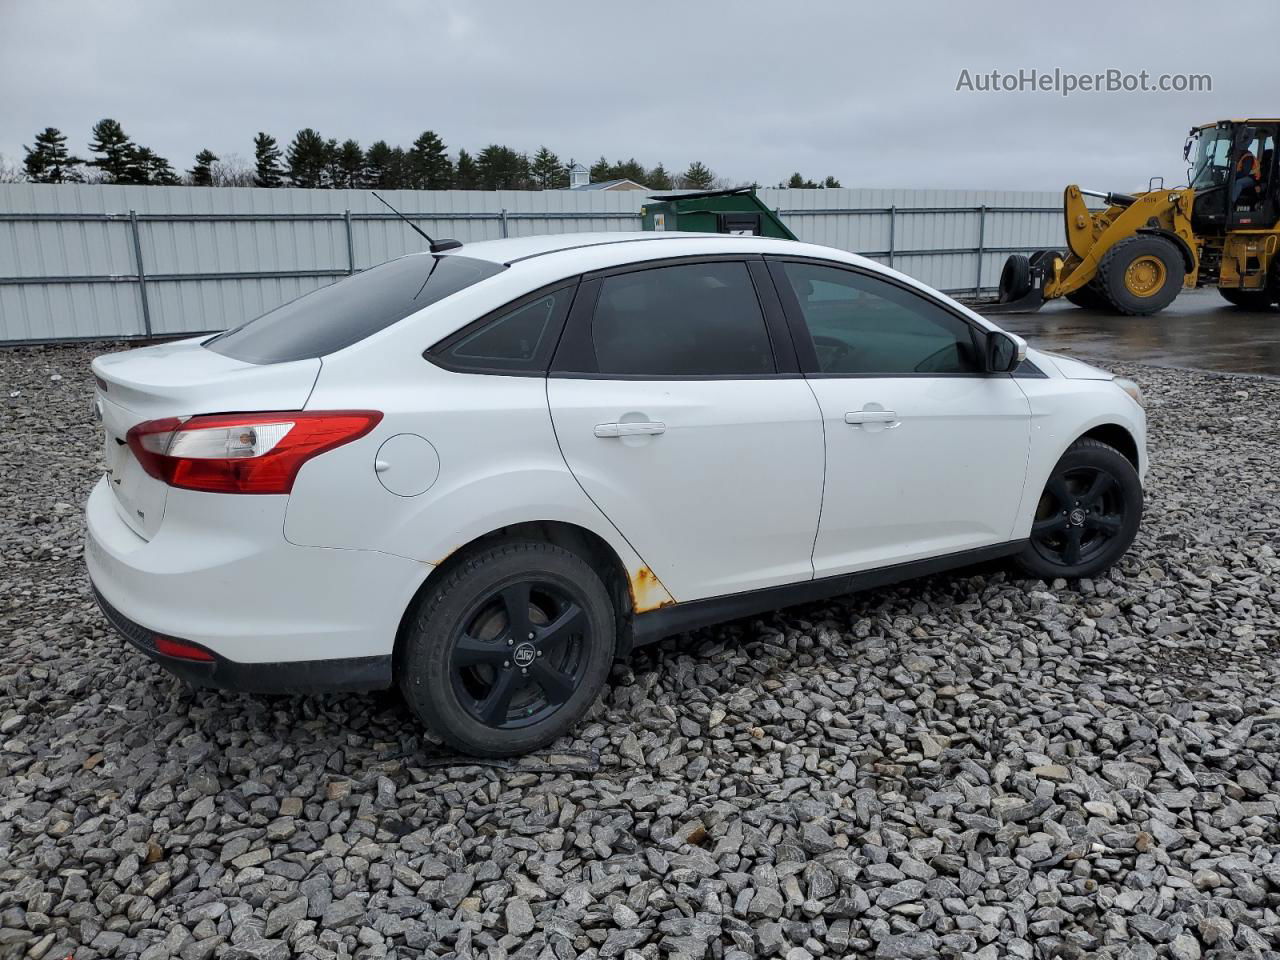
x: 312, y: 160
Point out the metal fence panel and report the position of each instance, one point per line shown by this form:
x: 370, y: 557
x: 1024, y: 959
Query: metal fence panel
x: 214, y: 257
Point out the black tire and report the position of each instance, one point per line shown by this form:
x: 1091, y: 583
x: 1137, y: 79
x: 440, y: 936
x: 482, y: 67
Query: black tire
x: 1141, y: 252
x: 1087, y: 516
x: 1259, y: 300
x: 1015, y: 277
x: 1089, y: 297
x: 458, y: 668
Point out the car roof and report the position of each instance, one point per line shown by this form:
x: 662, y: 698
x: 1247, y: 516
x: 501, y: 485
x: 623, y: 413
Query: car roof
x: 539, y: 262
x: 549, y: 258
x: 517, y: 249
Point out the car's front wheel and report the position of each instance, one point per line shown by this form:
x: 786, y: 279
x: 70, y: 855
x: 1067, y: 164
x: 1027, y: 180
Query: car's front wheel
x: 1087, y: 515
x: 508, y: 649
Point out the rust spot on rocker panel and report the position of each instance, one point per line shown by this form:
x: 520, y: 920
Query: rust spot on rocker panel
x: 647, y: 591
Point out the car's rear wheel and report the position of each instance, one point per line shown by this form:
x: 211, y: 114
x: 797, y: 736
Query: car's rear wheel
x: 509, y: 649
x: 1087, y: 515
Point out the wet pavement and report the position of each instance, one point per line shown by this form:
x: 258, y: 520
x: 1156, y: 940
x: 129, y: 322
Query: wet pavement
x: 1199, y: 331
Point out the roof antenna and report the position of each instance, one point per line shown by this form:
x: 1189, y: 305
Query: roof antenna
x: 436, y: 246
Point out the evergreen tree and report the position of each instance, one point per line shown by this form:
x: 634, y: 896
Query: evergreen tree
x: 657, y: 178
x: 332, y: 172
x: 797, y: 182
x: 147, y: 167
x: 48, y: 161
x: 429, y: 164
x: 113, y: 151
x: 831, y: 182
x: 399, y: 169
x: 351, y: 165
x: 202, y: 172
x: 697, y: 177
x: 377, y: 165
x: 501, y: 168
x: 628, y: 170
x: 601, y: 170
x: 307, y: 157
x: 547, y: 172
x: 266, y: 156
x: 466, y: 175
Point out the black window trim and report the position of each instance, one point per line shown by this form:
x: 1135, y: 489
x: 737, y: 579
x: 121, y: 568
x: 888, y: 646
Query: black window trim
x: 808, y: 355
x: 537, y: 365
x: 574, y: 358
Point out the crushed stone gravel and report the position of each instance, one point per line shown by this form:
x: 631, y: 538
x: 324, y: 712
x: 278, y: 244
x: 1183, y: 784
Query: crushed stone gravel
x: 971, y: 765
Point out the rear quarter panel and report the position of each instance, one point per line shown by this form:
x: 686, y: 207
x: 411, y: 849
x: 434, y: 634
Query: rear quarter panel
x: 499, y: 464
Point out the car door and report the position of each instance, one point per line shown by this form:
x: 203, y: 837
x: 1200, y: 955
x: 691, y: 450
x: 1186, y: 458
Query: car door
x: 679, y: 408
x: 926, y: 453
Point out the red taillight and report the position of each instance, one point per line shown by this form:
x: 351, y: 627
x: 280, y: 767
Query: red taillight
x: 243, y: 452
x: 183, y: 651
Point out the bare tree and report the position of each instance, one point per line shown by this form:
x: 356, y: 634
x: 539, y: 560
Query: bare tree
x: 232, y: 170
x: 10, y: 172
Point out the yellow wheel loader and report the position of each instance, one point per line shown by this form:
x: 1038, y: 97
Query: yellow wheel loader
x: 1134, y: 256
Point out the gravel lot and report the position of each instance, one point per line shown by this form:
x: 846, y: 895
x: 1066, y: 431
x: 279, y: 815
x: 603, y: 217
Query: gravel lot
x: 967, y: 765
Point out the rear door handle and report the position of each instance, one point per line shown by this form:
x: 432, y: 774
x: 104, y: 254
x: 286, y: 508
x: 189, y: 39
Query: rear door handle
x: 642, y: 428
x: 856, y: 417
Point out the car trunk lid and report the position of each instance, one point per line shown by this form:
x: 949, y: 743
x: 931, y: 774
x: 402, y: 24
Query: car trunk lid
x: 180, y: 379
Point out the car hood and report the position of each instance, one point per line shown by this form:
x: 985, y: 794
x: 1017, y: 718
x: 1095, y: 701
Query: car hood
x: 1074, y: 369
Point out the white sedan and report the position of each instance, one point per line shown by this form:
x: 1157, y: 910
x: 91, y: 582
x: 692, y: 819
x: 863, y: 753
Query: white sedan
x: 484, y: 474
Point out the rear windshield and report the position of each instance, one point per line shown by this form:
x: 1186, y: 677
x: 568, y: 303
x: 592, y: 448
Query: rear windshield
x: 343, y: 313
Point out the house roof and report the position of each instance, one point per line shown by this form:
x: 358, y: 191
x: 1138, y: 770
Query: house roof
x: 606, y: 184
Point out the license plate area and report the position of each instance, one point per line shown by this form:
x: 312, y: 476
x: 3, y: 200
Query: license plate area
x: 140, y: 498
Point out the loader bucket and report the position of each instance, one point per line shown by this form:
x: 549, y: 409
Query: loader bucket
x: 1022, y: 283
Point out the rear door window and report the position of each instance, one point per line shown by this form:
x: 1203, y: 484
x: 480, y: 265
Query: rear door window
x: 333, y: 317
x: 697, y: 319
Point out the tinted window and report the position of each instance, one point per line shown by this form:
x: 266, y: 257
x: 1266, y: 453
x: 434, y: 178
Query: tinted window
x: 517, y: 339
x: 688, y: 320
x: 861, y: 325
x: 336, y: 316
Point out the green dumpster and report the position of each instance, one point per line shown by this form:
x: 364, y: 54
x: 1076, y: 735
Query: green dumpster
x: 714, y: 211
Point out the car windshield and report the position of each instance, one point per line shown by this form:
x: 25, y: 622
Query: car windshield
x: 343, y: 313
x: 1213, y: 155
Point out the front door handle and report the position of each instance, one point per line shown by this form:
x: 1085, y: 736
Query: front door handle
x: 642, y: 428
x: 856, y: 417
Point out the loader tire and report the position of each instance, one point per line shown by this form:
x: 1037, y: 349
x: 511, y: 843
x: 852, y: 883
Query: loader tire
x: 1141, y: 275
x: 1015, y: 278
x: 1089, y: 297
x: 1259, y: 300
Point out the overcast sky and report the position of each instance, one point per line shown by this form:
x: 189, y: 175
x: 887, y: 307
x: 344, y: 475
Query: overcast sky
x: 863, y: 91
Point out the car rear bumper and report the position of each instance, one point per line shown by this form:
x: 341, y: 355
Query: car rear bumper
x: 274, y: 616
x: 299, y: 676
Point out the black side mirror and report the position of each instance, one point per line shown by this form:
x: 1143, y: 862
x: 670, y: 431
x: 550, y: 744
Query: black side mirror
x: 1004, y: 351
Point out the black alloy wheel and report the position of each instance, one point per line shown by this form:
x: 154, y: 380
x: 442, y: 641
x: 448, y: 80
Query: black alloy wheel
x: 1079, y: 512
x: 1087, y: 515
x: 519, y: 657
x: 509, y: 645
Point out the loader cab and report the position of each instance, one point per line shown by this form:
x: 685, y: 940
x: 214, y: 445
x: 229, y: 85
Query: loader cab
x: 1233, y: 169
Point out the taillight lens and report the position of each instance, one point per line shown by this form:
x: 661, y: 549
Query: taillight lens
x: 243, y: 452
